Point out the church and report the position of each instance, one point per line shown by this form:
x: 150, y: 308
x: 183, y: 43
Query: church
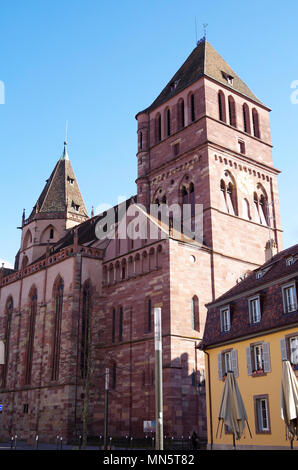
x: 76, y: 304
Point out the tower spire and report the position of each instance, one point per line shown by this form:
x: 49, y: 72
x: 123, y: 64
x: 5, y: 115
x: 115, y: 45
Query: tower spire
x: 65, y: 154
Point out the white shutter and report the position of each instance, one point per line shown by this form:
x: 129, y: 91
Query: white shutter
x: 234, y: 360
x: 266, y: 355
x: 248, y: 360
x: 219, y: 358
x: 283, y: 349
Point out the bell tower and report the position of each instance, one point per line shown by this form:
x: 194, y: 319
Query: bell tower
x: 206, y: 140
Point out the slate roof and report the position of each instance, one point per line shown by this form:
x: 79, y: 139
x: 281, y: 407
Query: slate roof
x: 204, y: 60
x: 59, y: 193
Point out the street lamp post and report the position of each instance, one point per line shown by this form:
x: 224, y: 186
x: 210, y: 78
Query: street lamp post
x: 105, y: 437
x: 158, y: 379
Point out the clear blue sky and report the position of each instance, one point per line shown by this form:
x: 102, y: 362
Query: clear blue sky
x: 97, y: 63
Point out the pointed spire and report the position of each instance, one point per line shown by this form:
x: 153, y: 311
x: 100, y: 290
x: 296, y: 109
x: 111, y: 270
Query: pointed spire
x: 92, y: 212
x: 65, y: 154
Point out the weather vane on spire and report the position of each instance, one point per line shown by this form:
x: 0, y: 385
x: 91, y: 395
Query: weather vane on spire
x: 66, y: 129
x: 205, y: 26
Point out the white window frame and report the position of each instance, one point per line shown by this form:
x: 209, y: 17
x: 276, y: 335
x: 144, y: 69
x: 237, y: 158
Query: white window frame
x: 285, y: 298
x: 227, y: 362
x: 260, y: 416
x: 225, y: 320
x: 258, y: 354
x: 294, y: 339
x: 254, y: 317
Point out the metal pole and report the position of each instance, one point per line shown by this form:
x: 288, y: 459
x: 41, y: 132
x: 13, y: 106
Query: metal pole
x: 158, y: 379
x: 105, y: 437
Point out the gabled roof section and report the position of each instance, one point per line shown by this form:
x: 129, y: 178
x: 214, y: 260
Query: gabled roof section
x: 61, y: 193
x: 203, y: 61
x: 272, y: 271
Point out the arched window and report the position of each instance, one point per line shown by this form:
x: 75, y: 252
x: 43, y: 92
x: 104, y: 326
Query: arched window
x: 121, y: 324
x: 228, y: 194
x: 164, y: 199
x: 148, y: 328
x: 192, y: 108
x: 256, y: 124
x: 141, y: 140
x: 158, y: 128
x: 24, y: 261
x: 8, y: 313
x: 51, y: 233
x: 222, y: 107
x: 232, y: 111
x: 192, y: 199
x: 181, y: 117
x: 195, y: 320
x: 113, y: 325
x: 85, y: 330
x: 27, y: 239
x: 246, y: 119
x: 168, y: 122
x: 261, y: 207
x: 58, y: 306
x: 31, y: 332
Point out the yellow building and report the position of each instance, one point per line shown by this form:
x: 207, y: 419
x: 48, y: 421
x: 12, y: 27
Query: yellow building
x: 250, y: 330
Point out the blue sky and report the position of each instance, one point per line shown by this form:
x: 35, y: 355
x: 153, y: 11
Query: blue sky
x: 97, y: 63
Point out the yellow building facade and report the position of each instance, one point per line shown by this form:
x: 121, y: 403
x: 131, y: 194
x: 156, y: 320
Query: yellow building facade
x: 253, y: 388
x: 250, y: 331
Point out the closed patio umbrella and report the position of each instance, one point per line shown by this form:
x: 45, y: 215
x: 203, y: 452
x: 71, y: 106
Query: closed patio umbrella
x: 289, y: 400
x: 232, y: 411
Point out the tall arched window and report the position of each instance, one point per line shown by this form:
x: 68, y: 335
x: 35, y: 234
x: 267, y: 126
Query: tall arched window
x: 246, y: 118
x: 256, y: 124
x: 121, y: 324
x: 181, y: 117
x: 158, y: 128
x: 85, y: 330
x: 8, y: 313
x: 192, y: 199
x: 31, y: 332
x: 232, y: 112
x: 192, y: 108
x: 58, y: 306
x: 222, y: 107
x: 195, y: 320
x: 148, y: 319
x: 261, y: 206
x: 168, y: 122
x: 228, y: 194
x: 113, y: 325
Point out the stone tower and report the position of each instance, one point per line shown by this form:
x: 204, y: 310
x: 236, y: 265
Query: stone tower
x: 207, y: 115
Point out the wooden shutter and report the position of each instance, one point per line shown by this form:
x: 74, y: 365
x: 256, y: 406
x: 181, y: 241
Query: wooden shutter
x: 234, y: 361
x: 248, y: 360
x: 219, y: 359
x: 283, y: 349
x: 266, y: 355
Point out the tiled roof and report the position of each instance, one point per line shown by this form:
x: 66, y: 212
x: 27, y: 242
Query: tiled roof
x: 272, y: 270
x: 275, y: 273
x: 203, y: 61
x: 60, y: 191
